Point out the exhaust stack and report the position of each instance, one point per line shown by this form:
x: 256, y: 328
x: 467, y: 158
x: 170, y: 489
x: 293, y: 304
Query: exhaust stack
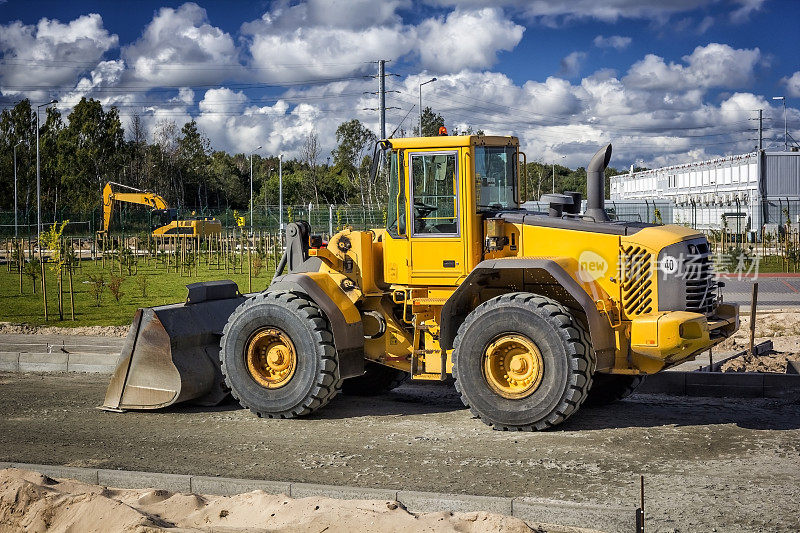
x: 596, y: 185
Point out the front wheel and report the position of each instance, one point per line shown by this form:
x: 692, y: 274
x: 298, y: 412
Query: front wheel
x: 278, y: 357
x: 522, y: 362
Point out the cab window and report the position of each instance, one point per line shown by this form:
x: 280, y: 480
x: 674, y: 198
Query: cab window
x: 396, y: 214
x: 434, y: 179
x: 495, y: 177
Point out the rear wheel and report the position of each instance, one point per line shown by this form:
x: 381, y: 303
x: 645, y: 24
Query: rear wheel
x: 609, y: 388
x: 278, y: 357
x: 376, y: 379
x: 521, y: 362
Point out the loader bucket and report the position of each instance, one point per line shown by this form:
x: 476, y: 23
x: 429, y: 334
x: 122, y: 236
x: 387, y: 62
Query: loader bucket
x: 171, y: 354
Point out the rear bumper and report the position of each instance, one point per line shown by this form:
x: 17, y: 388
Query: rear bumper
x: 676, y: 336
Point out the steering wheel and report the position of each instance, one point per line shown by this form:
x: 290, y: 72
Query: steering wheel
x: 425, y: 209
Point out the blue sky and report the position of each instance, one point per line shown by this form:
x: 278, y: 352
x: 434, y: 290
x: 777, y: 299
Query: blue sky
x: 666, y: 81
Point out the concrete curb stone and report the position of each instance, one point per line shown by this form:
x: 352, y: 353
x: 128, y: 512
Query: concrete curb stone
x: 43, y: 362
x: 305, y: 490
x: 227, y: 486
x: 722, y: 384
x: 87, y: 475
x: 602, y: 517
x: 433, y: 501
x: 609, y: 518
x: 130, y: 479
x: 9, y: 361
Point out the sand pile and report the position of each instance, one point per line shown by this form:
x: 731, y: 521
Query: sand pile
x: 775, y: 362
x: 32, y: 502
x: 782, y: 327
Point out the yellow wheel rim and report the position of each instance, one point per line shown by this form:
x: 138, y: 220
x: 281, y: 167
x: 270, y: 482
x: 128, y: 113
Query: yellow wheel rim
x: 513, y: 366
x: 271, y: 358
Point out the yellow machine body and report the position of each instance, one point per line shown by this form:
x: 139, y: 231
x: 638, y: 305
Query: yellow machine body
x: 419, y: 273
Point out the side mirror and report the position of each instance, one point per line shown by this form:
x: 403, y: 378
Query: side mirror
x: 373, y: 169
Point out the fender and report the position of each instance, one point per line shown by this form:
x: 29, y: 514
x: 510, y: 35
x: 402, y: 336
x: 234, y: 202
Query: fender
x: 529, y: 274
x: 344, y: 318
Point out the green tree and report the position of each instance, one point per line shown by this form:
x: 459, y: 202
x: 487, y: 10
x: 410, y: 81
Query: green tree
x: 194, y: 150
x: 91, y: 148
x: 431, y: 122
x: 354, y: 140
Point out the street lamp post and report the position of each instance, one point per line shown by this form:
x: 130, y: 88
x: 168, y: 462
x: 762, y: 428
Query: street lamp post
x: 38, y: 176
x: 554, y: 171
x: 420, y: 102
x: 280, y: 193
x: 785, y: 129
x: 251, y: 185
x: 15, y: 190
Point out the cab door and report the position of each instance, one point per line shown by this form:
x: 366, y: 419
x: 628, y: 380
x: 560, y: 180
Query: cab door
x: 435, y: 229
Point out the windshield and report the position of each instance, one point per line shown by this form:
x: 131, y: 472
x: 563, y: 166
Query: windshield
x: 495, y: 177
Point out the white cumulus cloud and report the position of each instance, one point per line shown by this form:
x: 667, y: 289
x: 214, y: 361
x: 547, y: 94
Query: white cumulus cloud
x: 793, y: 84
x: 51, y: 53
x: 614, y: 41
x: 714, y: 65
x: 179, y: 47
x: 443, y: 47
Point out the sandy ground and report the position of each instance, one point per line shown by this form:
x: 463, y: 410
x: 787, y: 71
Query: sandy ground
x: 729, y: 464
x: 782, y: 327
x: 105, y: 331
x: 35, y: 503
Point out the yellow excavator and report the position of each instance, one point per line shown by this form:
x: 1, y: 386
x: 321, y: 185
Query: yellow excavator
x: 533, y: 314
x: 164, y: 220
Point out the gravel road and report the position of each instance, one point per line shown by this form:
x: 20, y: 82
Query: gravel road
x: 733, y: 465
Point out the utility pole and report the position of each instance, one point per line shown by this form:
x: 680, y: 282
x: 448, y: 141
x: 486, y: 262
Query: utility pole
x: 38, y: 175
x: 15, y: 190
x: 760, y: 130
x: 280, y: 194
x: 382, y: 76
x: 251, y: 186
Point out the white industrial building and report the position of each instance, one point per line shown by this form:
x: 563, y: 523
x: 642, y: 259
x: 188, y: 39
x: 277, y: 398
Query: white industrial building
x: 750, y: 190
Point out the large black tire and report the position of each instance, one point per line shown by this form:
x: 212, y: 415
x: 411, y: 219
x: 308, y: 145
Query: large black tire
x: 377, y: 379
x: 315, y: 380
x: 609, y: 388
x: 568, y: 362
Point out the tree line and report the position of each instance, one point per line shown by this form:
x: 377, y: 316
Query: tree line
x: 80, y: 154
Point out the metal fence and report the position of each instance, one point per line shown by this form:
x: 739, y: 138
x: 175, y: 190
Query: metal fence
x: 734, y: 219
x: 131, y: 221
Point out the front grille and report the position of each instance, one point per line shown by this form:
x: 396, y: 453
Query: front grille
x: 637, y: 280
x: 701, y: 286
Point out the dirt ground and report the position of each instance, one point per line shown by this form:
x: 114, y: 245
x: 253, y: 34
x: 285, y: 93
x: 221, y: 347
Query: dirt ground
x: 105, y: 331
x: 782, y: 327
x: 35, y: 503
x: 728, y: 464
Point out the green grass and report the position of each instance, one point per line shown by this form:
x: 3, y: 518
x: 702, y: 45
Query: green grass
x: 164, y: 287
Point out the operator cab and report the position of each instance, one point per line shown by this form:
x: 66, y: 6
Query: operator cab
x: 440, y: 190
x: 162, y: 217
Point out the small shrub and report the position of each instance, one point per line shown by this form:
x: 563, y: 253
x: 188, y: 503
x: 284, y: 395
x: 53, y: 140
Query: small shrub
x: 33, y: 269
x: 115, y: 286
x: 97, y: 284
x: 258, y: 266
x: 142, y: 282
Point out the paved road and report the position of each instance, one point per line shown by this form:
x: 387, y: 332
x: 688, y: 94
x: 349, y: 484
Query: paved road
x: 772, y: 292
x: 709, y: 463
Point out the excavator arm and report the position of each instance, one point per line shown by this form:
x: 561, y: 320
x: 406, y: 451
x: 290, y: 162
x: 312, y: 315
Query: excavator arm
x: 137, y: 196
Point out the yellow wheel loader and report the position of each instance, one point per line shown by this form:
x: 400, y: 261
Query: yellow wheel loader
x: 531, y: 313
